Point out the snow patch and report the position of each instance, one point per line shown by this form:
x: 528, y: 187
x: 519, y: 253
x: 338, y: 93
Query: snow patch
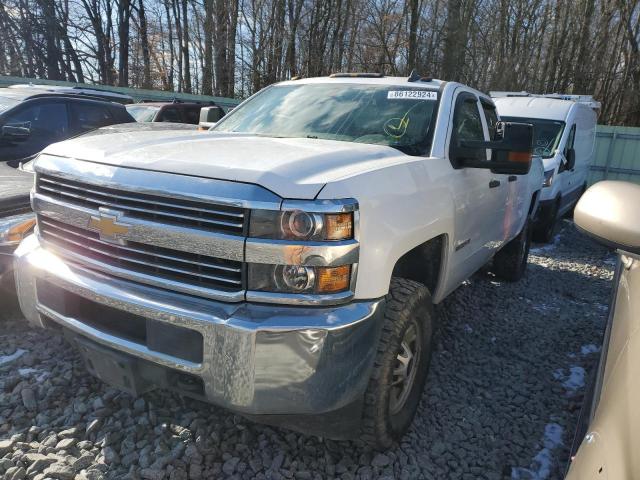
x: 542, y: 463
x: 588, y: 349
x: 25, y: 372
x: 548, y: 247
x: 575, y: 379
x: 4, y: 359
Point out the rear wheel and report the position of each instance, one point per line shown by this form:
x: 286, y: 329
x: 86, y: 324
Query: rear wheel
x: 401, y: 364
x: 510, y: 262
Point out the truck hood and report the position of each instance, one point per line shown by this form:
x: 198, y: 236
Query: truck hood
x: 289, y: 167
x: 15, y: 186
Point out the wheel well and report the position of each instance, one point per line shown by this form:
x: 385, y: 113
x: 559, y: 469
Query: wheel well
x: 533, y: 201
x: 422, y: 263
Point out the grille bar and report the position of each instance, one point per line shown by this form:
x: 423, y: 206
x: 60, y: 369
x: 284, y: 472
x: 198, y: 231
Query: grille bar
x: 191, y: 213
x: 127, y: 248
x: 208, y: 272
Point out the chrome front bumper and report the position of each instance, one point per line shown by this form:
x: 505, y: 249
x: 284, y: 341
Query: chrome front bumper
x: 256, y: 359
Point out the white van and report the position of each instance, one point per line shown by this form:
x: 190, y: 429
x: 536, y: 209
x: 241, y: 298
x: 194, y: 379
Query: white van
x: 564, y: 136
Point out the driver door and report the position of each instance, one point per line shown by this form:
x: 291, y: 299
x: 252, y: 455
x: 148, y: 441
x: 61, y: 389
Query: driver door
x: 479, y: 195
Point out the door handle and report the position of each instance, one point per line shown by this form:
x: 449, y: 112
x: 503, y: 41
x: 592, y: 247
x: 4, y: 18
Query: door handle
x: 513, y: 178
x: 494, y: 183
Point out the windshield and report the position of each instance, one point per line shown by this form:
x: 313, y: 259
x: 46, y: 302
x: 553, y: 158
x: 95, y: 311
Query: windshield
x: 546, y: 134
x: 142, y: 113
x: 399, y: 117
x: 6, y: 103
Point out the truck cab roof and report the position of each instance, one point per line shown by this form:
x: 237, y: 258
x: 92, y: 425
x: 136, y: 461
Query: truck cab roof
x: 404, y: 82
x: 368, y: 80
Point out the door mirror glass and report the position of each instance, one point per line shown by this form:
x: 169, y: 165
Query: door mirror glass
x: 608, y: 211
x: 511, y: 147
x: 16, y: 133
x: 513, y: 153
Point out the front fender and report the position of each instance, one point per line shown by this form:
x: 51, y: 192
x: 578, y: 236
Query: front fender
x: 401, y: 207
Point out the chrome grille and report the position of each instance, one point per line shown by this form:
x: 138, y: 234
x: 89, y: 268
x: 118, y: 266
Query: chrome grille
x: 138, y: 258
x: 168, y: 210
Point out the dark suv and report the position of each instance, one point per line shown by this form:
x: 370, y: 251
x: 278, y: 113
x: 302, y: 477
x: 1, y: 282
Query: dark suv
x: 175, y: 112
x: 29, y: 122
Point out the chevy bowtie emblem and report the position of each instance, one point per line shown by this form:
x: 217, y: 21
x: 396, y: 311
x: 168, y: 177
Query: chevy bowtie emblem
x: 108, y: 227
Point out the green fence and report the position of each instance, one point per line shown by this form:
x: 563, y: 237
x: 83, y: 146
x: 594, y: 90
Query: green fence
x: 138, y: 94
x: 617, y: 154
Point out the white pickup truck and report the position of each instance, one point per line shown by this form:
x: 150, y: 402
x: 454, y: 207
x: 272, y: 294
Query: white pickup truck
x: 285, y: 264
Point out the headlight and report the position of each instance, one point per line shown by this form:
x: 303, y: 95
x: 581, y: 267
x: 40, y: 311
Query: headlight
x: 301, y: 225
x: 307, y: 248
x: 14, y: 229
x: 299, y: 278
x: 548, y: 178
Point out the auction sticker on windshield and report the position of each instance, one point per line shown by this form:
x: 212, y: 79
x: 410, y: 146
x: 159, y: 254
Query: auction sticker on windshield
x: 412, y: 95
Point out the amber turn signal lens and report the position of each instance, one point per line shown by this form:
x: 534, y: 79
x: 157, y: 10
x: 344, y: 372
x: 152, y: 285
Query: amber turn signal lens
x: 338, y: 226
x: 18, y: 232
x: 520, y: 157
x: 333, y: 279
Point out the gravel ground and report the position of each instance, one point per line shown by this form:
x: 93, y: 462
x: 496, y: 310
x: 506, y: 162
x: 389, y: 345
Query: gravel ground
x: 502, y: 399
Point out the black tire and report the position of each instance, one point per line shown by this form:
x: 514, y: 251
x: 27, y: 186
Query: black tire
x: 545, y: 232
x: 510, y: 262
x: 389, y: 409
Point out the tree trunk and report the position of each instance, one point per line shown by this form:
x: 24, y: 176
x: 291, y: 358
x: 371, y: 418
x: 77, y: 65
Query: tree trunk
x: 207, y: 71
x: 50, y: 33
x: 413, y: 34
x: 144, y: 40
x: 453, y: 47
x: 185, y: 48
x: 124, y: 16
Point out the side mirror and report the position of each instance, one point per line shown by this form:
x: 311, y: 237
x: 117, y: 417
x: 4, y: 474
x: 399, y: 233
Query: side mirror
x: 512, y: 148
x: 571, y: 159
x: 14, y: 133
x: 211, y: 114
x: 608, y: 211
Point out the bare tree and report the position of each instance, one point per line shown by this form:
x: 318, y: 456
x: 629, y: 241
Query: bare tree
x: 224, y: 47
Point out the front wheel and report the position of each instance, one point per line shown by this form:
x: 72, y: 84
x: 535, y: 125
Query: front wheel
x: 511, y: 261
x: 545, y: 232
x: 401, y: 364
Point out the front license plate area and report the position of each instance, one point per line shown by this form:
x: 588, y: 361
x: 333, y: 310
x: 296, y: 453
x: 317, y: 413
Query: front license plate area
x: 114, y: 368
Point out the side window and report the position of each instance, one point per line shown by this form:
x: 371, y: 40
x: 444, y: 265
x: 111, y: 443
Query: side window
x: 467, y: 126
x: 568, y: 146
x: 170, y: 114
x: 490, y: 116
x: 89, y: 116
x: 570, y: 140
x: 192, y: 115
x: 46, y: 120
